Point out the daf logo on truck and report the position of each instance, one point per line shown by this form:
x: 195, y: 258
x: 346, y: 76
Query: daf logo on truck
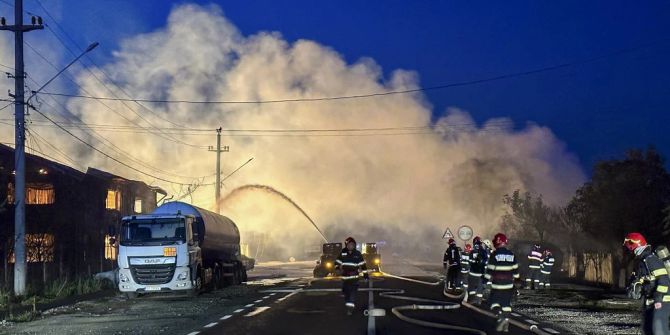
x: 179, y: 248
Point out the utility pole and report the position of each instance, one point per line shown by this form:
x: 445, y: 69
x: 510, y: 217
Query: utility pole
x: 219, y: 150
x: 19, y: 144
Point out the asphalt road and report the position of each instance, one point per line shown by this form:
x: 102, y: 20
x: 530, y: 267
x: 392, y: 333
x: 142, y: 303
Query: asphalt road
x: 280, y: 298
x: 317, y: 307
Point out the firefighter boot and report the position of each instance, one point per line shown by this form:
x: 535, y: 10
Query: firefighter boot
x: 350, y: 308
x: 502, y: 324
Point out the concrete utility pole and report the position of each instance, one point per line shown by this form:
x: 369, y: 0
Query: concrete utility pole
x: 219, y: 150
x: 19, y: 144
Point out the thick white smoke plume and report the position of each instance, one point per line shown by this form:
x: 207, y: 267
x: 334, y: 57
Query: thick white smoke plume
x: 401, y: 186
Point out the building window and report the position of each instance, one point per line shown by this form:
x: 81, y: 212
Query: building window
x: 113, y: 199
x: 138, y: 205
x: 40, y: 194
x: 39, y: 248
x: 36, y: 194
x: 110, y: 249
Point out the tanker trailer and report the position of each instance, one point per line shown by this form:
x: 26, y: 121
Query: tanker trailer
x: 179, y: 248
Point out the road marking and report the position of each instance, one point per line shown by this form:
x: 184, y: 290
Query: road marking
x: 371, y: 306
x: 516, y: 314
x: 258, y: 310
x: 238, y: 310
x: 259, y: 300
x: 249, y: 305
x: 193, y: 333
x: 288, y: 295
x: 211, y: 325
x: 265, y: 297
x: 531, y: 321
x: 551, y: 330
x: 271, y: 294
x: 226, y: 317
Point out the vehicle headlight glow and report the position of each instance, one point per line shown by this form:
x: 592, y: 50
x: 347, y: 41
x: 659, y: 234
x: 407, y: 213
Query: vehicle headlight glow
x: 123, y: 278
x: 329, y: 265
x: 377, y: 261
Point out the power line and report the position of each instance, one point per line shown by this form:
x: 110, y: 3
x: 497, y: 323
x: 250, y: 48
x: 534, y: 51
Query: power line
x: 95, y: 76
x: 106, y: 155
x: 377, y: 94
x: 156, y: 133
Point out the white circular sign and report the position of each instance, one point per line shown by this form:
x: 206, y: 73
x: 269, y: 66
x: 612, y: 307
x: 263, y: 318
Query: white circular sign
x: 465, y: 233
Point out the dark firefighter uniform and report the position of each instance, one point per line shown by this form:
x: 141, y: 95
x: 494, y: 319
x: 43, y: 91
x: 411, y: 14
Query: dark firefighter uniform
x: 655, y: 280
x: 452, y: 262
x: 478, y: 262
x: 547, y: 266
x: 351, y: 263
x: 501, y: 272
x: 534, y: 265
x: 465, y: 268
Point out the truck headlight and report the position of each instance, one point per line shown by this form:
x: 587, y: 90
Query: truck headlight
x: 329, y: 265
x: 123, y: 278
x: 377, y: 261
x: 183, y: 275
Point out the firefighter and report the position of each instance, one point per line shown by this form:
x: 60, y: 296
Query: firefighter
x: 534, y: 265
x: 547, y: 265
x: 452, y: 263
x: 478, y: 259
x: 653, y: 275
x: 502, y: 271
x: 465, y: 266
x: 350, y: 262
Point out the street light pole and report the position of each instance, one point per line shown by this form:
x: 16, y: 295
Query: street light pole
x: 20, y: 271
x: 19, y: 145
x: 218, y: 150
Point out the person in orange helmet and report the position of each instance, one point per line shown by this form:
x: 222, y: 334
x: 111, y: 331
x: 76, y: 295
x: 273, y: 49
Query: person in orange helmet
x: 653, y: 275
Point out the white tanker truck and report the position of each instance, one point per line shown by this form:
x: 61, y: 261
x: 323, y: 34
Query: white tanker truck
x: 179, y: 248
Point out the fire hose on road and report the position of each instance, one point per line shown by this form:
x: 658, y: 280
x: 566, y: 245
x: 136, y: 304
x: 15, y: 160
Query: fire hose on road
x: 442, y: 306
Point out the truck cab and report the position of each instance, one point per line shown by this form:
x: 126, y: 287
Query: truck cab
x: 371, y: 256
x: 326, y: 263
x: 158, y: 253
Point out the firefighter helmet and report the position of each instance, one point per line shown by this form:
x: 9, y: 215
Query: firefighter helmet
x: 547, y: 252
x: 537, y: 246
x: 500, y: 240
x: 634, y: 241
x: 488, y: 244
x: 452, y: 241
x: 468, y: 247
x: 477, y: 240
x: 349, y: 240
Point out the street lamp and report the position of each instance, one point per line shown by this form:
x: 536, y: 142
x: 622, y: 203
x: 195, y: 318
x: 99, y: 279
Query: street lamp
x: 88, y: 49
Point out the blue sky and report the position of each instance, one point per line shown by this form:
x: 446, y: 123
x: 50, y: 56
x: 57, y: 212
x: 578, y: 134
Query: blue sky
x: 598, y: 109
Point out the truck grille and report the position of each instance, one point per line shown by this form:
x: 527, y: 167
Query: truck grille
x: 152, y: 274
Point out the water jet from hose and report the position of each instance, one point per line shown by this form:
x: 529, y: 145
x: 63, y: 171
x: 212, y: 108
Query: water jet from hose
x: 272, y: 191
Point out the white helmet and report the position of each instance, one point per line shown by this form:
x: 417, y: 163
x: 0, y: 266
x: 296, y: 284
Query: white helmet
x: 488, y: 244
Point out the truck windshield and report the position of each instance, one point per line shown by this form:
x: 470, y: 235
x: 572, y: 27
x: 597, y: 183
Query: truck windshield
x: 153, y: 231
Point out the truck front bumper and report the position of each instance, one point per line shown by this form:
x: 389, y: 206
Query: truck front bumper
x: 180, y: 281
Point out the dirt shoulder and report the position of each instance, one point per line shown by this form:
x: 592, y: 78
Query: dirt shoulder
x: 582, y: 310
x: 145, y: 315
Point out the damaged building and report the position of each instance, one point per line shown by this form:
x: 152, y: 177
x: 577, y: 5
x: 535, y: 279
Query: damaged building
x: 68, y: 216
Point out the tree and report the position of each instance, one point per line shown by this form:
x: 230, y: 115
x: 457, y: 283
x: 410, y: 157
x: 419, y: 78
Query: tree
x: 624, y: 195
x: 529, y: 215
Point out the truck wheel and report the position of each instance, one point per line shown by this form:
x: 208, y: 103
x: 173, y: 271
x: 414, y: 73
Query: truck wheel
x: 244, y: 275
x: 197, y: 284
x: 218, y: 278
